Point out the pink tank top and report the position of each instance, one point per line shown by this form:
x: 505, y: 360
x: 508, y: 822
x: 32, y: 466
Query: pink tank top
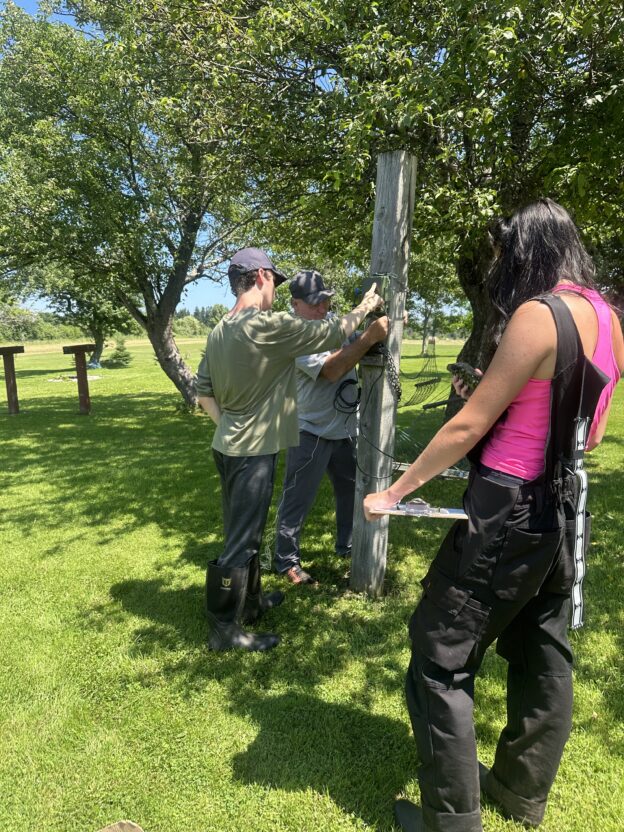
x: 518, y: 443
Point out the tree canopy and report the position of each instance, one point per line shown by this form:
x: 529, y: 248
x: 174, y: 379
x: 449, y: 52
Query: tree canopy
x: 141, y: 151
x: 113, y: 164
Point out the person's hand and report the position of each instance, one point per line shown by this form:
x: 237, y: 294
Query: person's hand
x: 463, y: 390
x: 371, y: 299
x: 381, y: 499
x: 379, y: 329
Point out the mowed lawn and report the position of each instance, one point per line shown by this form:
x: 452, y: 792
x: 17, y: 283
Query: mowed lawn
x: 110, y: 705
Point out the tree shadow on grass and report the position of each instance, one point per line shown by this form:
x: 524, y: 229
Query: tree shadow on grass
x: 136, y: 461
x: 360, y: 760
x: 173, y: 618
x: 133, y: 460
x: 24, y: 374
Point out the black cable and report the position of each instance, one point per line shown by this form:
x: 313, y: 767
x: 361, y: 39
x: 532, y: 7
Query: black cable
x: 343, y: 405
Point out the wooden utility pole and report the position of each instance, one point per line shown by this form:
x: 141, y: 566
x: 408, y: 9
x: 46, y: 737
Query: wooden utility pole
x: 78, y: 351
x: 8, y: 356
x: 392, y: 230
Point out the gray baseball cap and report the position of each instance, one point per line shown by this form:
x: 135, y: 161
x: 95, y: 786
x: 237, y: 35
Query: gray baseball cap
x: 249, y: 259
x: 308, y: 286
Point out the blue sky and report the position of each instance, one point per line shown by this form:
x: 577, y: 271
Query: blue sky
x: 28, y: 5
x: 200, y: 293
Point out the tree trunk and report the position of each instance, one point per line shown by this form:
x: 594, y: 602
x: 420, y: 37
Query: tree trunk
x: 98, y: 340
x: 160, y: 334
x: 158, y: 326
x: 425, y: 333
x: 472, y: 272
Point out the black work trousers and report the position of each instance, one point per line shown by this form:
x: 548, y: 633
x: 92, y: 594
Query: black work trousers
x: 492, y: 579
x: 246, y: 491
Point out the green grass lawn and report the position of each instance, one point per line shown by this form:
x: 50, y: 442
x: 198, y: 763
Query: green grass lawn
x: 110, y: 705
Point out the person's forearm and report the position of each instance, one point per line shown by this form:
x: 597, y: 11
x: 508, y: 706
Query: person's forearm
x: 345, y: 359
x: 448, y: 446
x: 209, y: 405
x: 354, y: 318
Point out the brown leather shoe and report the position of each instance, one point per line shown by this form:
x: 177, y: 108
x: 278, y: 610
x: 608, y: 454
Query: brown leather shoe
x: 297, y: 575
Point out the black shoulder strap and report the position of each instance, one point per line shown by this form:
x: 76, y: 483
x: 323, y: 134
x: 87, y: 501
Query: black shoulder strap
x: 569, y: 345
x: 576, y: 387
x: 566, y: 362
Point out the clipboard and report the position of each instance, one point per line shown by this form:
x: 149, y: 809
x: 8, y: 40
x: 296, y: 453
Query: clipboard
x: 420, y: 508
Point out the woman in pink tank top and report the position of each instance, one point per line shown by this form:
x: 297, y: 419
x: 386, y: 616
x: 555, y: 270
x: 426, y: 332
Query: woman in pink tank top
x: 511, y: 572
x: 516, y: 445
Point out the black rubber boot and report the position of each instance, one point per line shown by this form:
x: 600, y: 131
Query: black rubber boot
x: 483, y: 776
x: 257, y: 602
x: 226, y: 590
x: 409, y: 816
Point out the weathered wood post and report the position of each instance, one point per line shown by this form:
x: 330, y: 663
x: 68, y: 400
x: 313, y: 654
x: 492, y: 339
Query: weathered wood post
x: 392, y: 229
x: 8, y: 357
x: 78, y: 351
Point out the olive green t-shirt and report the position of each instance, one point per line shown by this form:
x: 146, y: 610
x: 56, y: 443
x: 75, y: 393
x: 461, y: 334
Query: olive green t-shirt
x: 249, y: 368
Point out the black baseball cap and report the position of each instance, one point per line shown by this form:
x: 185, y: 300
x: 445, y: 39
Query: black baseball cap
x: 249, y: 259
x: 308, y: 286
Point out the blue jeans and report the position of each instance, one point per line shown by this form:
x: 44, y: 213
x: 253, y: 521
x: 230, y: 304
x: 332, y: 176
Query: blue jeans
x: 305, y: 466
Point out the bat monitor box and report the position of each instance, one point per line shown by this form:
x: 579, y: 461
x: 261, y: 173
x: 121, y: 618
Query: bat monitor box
x: 382, y: 287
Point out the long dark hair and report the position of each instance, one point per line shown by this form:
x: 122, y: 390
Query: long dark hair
x: 534, y: 249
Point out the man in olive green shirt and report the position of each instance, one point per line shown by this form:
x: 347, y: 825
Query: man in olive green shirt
x: 246, y: 383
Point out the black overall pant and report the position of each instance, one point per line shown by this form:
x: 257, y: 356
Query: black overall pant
x: 492, y: 579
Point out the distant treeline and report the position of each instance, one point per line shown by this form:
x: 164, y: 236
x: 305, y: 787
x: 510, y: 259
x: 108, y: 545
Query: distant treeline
x: 17, y: 324
x: 203, y: 319
x: 207, y: 315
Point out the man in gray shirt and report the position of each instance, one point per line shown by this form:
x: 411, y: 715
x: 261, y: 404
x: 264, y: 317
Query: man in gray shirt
x: 327, y: 392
